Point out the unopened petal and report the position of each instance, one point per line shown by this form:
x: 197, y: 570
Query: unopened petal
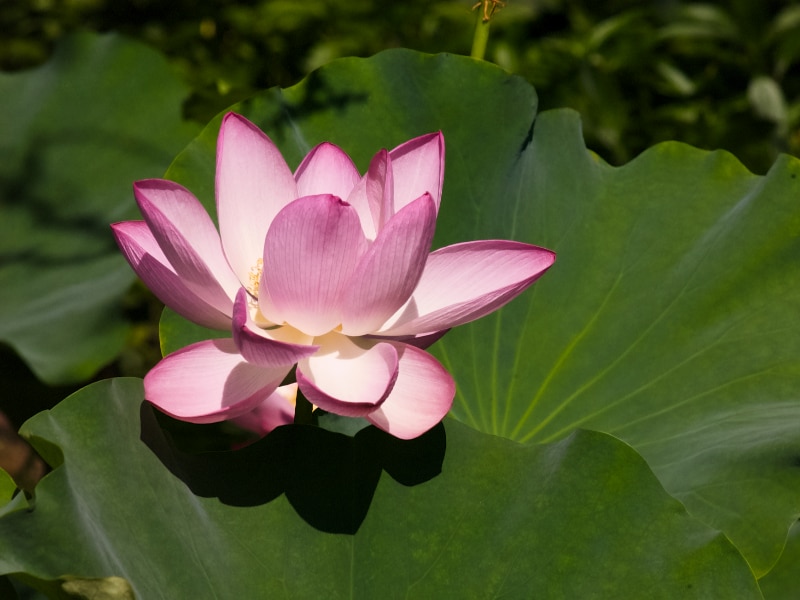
x: 253, y: 183
x: 208, y: 382
x: 262, y: 347
x: 418, y: 167
x: 312, y: 249
x: 390, y: 269
x: 151, y: 265
x: 466, y: 281
x: 326, y: 170
x: 188, y: 238
x: 421, y: 397
x: 346, y: 379
x: 276, y: 410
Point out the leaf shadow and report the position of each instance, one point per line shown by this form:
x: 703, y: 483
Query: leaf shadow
x: 329, y: 478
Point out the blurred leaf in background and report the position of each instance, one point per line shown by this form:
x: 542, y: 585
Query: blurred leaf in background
x: 227, y: 50
x: 76, y: 132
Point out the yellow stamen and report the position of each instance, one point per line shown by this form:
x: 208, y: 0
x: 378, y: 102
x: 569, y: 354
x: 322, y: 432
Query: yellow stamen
x: 255, y: 277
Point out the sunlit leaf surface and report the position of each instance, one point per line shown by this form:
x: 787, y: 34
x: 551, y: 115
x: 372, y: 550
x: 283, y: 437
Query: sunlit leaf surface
x: 579, y: 517
x: 668, y: 318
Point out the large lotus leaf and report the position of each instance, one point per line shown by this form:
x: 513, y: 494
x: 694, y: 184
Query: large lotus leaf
x: 669, y: 318
x: 669, y: 321
x: 781, y: 582
x: 576, y: 518
x: 76, y: 132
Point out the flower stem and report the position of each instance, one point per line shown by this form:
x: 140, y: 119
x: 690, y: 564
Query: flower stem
x: 481, y: 37
x: 303, y: 410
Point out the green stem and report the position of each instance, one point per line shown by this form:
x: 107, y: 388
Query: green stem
x: 303, y: 410
x: 481, y: 37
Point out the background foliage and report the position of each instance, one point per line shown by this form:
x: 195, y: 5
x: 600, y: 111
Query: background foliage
x: 717, y: 74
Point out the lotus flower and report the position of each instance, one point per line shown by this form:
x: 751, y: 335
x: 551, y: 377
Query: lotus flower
x: 324, y: 269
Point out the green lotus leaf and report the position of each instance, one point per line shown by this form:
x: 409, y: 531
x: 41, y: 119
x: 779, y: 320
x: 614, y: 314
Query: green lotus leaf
x: 310, y: 513
x: 668, y: 318
x: 781, y: 582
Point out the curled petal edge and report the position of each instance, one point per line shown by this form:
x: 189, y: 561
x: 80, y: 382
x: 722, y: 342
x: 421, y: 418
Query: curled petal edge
x: 363, y: 378
x: 421, y: 397
x: 445, y: 296
x: 146, y: 259
x: 208, y: 382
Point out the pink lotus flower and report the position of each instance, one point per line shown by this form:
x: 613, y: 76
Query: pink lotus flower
x: 323, y: 269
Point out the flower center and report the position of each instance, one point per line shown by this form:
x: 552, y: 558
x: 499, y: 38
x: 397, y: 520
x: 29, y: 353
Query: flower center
x: 254, y: 278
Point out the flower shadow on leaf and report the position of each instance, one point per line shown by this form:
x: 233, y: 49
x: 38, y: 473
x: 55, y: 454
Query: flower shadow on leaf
x: 329, y: 478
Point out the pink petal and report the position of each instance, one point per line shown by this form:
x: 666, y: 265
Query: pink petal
x: 312, y: 249
x: 346, y: 379
x: 146, y: 258
x: 466, y: 281
x: 258, y: 346
x: 188, y: 238
x: 421, y: 397
x: 373, y: 196
x: 208, y: 382
x: 418, y: 167
x: 390, y: 269
x: 276, y: 410
x: 326, y: 170
x: 253, y: 183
